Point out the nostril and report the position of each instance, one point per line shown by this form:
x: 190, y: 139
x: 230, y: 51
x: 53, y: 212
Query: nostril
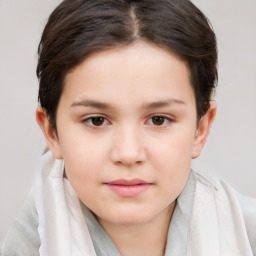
x: 128, y: 147
x: 128, y: 157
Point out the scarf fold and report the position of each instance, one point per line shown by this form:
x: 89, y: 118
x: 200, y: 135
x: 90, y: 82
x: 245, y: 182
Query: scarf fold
x: 62, y: 228
x: 216, y: 229
x: 217, y: 225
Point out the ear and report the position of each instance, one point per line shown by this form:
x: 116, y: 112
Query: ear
x: 203, y: 130
x: 49, y: 134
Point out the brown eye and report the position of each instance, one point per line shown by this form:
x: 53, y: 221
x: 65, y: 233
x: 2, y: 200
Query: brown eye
x: 97, y: 121
x: 158, y: 120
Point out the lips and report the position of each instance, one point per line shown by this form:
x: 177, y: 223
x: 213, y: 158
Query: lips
x: 128, y: 188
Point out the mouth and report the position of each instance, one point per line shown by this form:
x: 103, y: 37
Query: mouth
x: 128, y: 188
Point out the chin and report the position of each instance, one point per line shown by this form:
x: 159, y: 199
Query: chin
x: 128, y: 220
x: 129, y: 217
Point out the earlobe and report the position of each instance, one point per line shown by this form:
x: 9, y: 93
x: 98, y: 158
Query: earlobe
x: 203, y: 130
x: 49, y: 134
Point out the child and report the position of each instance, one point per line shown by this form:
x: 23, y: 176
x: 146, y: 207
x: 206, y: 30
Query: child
x: 125, y: 103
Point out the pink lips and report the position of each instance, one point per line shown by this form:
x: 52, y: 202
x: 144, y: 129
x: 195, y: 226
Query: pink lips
x: 128, y: 188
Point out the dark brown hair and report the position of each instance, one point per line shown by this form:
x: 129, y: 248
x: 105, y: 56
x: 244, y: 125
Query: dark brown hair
x: 78, y: 28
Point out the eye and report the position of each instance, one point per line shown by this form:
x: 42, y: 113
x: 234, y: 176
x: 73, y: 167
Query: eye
x: 159, y: 120
x: 96, y: 121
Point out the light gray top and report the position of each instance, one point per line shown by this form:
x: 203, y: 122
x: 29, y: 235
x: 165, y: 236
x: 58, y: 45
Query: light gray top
x: 23, y: 238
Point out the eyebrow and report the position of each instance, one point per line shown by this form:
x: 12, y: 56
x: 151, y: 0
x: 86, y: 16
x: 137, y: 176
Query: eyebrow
x: 163, y: 103
x: 91, y: 103
x: 150, y: 105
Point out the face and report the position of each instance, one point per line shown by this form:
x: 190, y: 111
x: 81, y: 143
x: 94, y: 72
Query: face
x: 127, y: 131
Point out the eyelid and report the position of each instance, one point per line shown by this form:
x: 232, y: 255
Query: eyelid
x: 86, y: 120
x: 166, y: 117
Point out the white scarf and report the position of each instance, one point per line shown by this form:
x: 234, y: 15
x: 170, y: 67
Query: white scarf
x: 217, y: 227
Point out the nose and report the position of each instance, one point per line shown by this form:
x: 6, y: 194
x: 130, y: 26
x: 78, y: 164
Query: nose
x: 127, y: 147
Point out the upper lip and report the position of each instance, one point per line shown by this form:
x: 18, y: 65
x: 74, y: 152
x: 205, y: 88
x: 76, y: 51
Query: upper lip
x: 125, y: 182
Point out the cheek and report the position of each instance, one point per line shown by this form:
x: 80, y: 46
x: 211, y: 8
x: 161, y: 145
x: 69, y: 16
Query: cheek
x: 81, y: 149
x: 173, y: 150
x: 172, y: 159
x: 84, y: 160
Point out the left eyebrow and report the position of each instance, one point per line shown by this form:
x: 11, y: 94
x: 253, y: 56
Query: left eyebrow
x: 163, y: 103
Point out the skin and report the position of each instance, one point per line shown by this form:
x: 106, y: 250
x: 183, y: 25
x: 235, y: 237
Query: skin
x: 148, y: 131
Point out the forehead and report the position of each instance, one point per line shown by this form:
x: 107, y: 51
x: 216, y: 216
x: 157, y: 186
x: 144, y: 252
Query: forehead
x: 141, y: 71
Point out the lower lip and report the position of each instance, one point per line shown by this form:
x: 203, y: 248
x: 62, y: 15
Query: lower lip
x: 129, y: 190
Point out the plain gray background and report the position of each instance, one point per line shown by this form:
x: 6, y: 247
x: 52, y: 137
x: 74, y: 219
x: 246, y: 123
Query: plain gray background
x: 230, y: 152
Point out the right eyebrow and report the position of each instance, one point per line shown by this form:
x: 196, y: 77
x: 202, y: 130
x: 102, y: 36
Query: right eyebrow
x: 91, y: 103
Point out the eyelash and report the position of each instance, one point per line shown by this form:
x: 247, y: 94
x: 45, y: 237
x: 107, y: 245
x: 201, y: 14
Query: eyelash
x: 166, y: 120
x: 89, y: 121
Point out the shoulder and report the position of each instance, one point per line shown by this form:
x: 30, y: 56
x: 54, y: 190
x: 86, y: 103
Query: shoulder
x: 248, y: 207
x: 245, y: 204
x: 23, y: 238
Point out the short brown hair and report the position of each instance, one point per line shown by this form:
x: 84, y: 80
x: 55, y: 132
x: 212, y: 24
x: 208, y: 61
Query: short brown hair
x: 78, y: 28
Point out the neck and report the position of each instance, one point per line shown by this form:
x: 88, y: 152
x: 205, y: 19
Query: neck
x: 141, y: 239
